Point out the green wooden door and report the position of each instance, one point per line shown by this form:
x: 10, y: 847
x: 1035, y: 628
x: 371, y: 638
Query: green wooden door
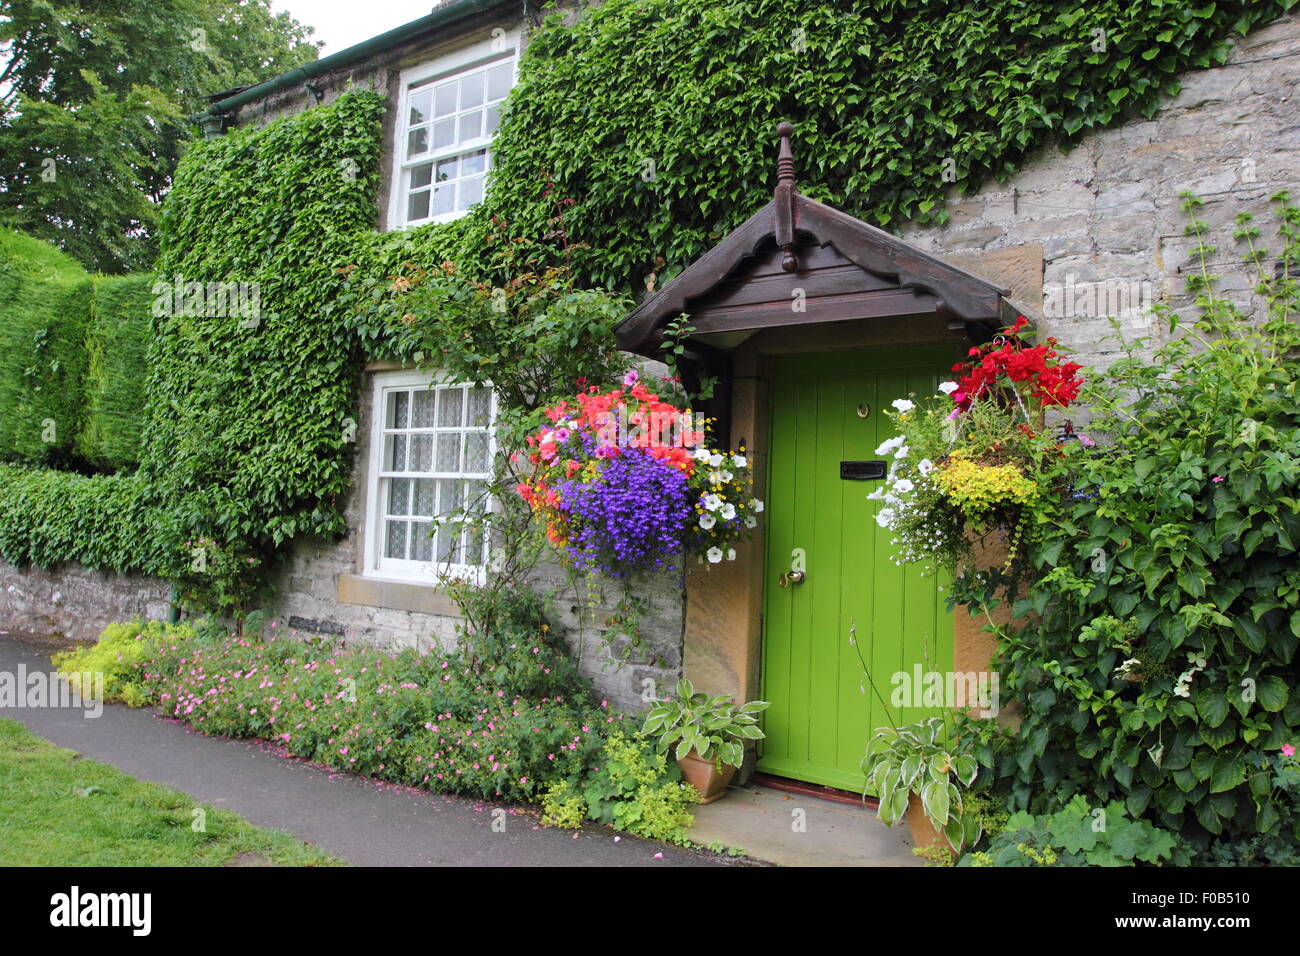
x: 827, y: 409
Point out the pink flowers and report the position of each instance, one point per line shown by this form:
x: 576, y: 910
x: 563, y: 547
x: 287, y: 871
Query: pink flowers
x: 1288, y: 750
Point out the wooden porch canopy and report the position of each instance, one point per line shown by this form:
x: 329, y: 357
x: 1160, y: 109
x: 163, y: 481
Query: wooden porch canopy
x: 798, y: 262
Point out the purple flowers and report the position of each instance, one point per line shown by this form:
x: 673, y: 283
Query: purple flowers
x: 632, y: 517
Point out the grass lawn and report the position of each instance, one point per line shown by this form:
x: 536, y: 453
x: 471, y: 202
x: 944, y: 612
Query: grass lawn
x: 59, y: 809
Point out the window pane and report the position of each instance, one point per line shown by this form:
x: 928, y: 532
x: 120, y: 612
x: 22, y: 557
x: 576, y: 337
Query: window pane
x: 421, y: 541
x: 444, y: 99
x: 471, y: 91
x: 471, y: 125
x: 448, y: 547
x: 425, y: 504
x: 395, y: 540
x: 444, y: 133
x: 480, y: 405
x: 493, y: 120
x: 447, y: 169
x: 396, y: 414
x: 498, y: 81
x: 450, y: 491
x: 422, y: 408
x: 476, y: 452
x: 474, y: 162
x: 399, y: 496
x: 471, y: 191
x: 449, y: 407
x: 418, y: 206
x: 421, y: 175
x: 421, y: 453
x: 444, y: 200
x: 448, y: 452
x: 420, y: 103
x: 417, y: 141
x: 395, y: 453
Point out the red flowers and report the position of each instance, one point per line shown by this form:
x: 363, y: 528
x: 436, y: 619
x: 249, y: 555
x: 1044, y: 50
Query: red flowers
x: 1050, y: 380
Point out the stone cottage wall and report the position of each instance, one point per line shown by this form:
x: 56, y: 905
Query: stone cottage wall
x: 1107, y: 214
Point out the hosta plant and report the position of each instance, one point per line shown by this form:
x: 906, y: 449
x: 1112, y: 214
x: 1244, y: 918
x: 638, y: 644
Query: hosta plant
x: 711, y: 726
x: 918, y: 758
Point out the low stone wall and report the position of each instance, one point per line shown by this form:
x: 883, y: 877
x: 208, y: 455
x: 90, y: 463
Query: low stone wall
x: 76, y: 602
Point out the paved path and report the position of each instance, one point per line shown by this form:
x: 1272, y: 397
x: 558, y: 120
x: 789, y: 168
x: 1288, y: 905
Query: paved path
x: 363, y: 821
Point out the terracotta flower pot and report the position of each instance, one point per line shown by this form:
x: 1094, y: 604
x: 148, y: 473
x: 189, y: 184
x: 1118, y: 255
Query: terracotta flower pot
x: 707, y: 776
x: 918, y: 824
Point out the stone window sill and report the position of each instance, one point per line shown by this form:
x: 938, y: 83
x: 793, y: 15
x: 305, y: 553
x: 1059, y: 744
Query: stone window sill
x: 395, y: 595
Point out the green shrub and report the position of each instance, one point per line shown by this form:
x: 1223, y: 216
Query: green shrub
x: 630, y: 787
x: 118, y: 655
x: 1154, y: 660
x: 1078, y: 835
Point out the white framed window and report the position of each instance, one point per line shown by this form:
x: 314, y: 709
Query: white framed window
x: 431, y: 452
x: 450, y: 109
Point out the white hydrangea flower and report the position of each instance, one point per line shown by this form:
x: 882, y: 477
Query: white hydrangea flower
x: 714, y: 555
x: 707, y: 521
x: 887, y: 446
x: 728, y: 512
x: 903, y: 405
x: 948, y: 387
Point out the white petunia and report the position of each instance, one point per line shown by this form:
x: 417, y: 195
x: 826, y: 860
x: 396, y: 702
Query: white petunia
x: 948, y: 387
x: 755, y: 505
x: 888, y: 446
x: 740, y: 461
x: 903, y: 405
x: 715, y: 477
x: 751, y: 521
x: 925, y: 466
x: 725, y: 476
x: 714, y: 555
x: 701, y: 454
x: 884, y: 518
x: 876, y: 495
x: 728, y: 512
x: 712, y: 502
x: 715, y: 460
x: 707, y: 521
x: 902, y: 453
x: 731, y: 554
x: 903, y: 486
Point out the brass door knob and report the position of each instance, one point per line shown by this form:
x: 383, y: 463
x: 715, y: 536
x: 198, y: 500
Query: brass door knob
x: 791, y: 577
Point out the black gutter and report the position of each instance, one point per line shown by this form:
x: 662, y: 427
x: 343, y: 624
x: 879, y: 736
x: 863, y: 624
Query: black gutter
x: 213, y: 120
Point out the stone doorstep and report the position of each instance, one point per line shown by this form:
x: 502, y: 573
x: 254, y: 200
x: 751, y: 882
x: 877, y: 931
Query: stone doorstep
x: 760, y: 820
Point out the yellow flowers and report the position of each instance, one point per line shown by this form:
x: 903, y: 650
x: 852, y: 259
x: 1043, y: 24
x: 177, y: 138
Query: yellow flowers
x: 976, y: 487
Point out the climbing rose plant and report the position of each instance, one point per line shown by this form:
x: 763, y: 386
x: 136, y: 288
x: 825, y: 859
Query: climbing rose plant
x: 625, y: 483
x: 976, y: 457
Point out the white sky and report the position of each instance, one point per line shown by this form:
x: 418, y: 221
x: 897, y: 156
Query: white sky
x: 343, y: 23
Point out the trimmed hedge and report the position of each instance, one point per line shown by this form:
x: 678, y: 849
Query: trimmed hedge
x: 72, y: 359
x: 116, y: 347
x: 50, y: 517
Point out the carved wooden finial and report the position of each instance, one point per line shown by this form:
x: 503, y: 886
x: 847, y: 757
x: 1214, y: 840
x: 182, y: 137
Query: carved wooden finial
x: 784, y: 197
x: 785, y: 157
